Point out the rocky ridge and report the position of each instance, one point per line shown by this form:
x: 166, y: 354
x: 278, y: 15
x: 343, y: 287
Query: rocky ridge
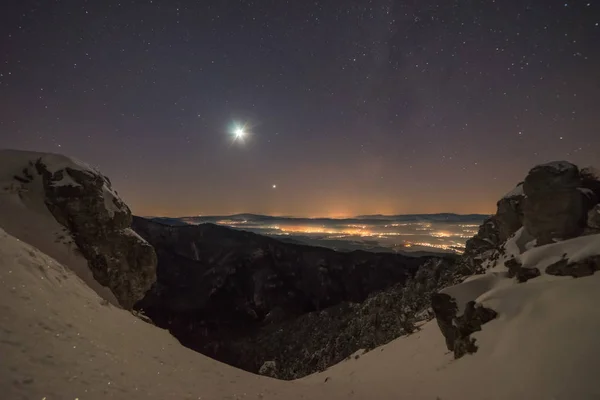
x: 555, y: 205
x: 98, y: 221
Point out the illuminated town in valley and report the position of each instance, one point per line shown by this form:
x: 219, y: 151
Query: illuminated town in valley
x: 432, y: 233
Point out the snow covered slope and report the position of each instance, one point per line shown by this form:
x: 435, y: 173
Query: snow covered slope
x: 60, y: 340
x: 60, y: 337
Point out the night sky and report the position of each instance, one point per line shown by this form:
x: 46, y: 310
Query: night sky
x: 350, y: 107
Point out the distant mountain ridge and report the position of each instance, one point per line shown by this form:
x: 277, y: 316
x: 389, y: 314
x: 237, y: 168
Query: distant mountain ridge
x: 442, y: 217
x: 412, y: 234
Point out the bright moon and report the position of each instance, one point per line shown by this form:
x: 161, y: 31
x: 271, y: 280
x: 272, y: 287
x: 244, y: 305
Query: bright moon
x: 239, y: 133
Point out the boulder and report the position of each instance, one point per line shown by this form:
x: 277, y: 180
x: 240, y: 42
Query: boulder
x: 457, y: 329
x: 577, y: 269
x: 509, y: 214
x: 515, y: 269
x: 487, y: 238
x: 554, y: 207
x: 84, y: 202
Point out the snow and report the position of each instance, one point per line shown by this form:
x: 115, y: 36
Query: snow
x: 59, y: 340
x: 575, y: 249
x: 516, y: 192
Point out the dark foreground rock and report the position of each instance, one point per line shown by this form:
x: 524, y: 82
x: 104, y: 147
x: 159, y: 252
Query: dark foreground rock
x: 555, y: 207
x: 457, y: 329
x: 83, y: 201
x: 246, y: 299
x: 557, y: 201
x: 578, y: 269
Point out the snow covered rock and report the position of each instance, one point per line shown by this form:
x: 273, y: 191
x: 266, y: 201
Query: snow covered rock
x: 555, y: 208
x: 83, y: 201
x: 457, y: 326
x: 516, y: 270
x: 535, y: 234
x: 577, y: 269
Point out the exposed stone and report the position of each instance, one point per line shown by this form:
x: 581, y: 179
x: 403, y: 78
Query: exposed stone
x: 513, y: 266
x: 554, y: 208
x: 269, y: 368
x: 552, y: 177
x: 515, y: 269
x: 509, y: 214
x: 578, y: 269
x: 457, y: 330
x: 487, y: 238
x: 445, y: 309
x: 100, y: 225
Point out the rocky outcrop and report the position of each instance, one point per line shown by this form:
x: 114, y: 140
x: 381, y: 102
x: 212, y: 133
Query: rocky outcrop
x: 83, y: 201
x: 509, y: 214
x: 555, y: 207
x: 555, y: 202
x: 516, y: 270
x: 246, y: 299
x: 586, y: 267
x: 457, y: 329
x: 552, y: 203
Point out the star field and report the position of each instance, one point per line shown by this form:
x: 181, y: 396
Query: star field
x: 349, y: 107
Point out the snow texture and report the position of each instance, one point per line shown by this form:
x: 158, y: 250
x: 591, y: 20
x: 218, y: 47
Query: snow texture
x: 59, y: 340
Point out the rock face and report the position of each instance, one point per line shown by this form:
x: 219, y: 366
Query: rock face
x: 556, y: 202
x: 458, y: 328
x: 246, y: 299
x: 83, y: 201
x: 555, y: 207
x: 585, y: 267
x: 509, y: 215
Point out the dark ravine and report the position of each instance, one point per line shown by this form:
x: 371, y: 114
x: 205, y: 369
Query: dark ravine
x: 246, y: 299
